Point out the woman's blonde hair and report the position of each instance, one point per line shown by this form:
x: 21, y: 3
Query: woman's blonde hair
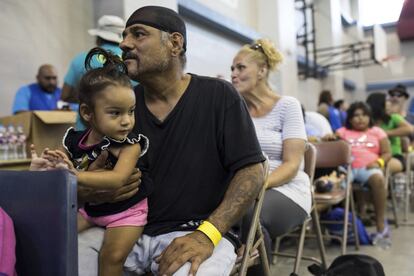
x: 264, y: 52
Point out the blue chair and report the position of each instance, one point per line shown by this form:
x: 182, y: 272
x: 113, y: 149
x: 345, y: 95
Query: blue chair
x: 43, y: 208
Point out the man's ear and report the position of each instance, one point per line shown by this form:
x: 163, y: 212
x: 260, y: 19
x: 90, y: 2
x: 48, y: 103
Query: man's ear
x: 85, y: 112
x: 177, y: 41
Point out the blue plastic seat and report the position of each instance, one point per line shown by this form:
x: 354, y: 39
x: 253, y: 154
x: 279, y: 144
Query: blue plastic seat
x: 43, y: 208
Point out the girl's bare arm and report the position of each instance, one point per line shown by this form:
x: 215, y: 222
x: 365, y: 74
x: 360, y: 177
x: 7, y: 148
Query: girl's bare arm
x: 115, y: 178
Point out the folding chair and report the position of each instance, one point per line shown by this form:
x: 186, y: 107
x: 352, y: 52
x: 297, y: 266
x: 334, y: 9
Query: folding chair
x: 331, y: 155
x: 310, y: 161
x: 409, y: 188
x: 43, y: 208
x: 389, y: 184
x: 409, y: 183
x: 255, y: 251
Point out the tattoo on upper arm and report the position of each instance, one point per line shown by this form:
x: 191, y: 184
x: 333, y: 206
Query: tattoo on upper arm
x: 243, y: 189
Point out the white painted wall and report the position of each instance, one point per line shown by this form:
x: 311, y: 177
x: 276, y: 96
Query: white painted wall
x: 309, y: 92
x: 37, y: 32
x: 209, y: 53
x: 242, y: 11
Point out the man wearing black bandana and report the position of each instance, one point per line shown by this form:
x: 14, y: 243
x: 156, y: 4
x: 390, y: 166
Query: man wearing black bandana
x: 204, y: 159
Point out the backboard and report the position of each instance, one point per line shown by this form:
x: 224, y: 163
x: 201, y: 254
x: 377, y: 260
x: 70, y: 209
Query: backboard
x: 380, y: 44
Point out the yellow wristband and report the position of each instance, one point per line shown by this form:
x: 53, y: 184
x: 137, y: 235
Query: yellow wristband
x: 210, y: 231
x: 381, y: 162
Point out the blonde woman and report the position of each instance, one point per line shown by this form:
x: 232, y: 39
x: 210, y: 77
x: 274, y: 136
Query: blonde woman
x: 281, y: 132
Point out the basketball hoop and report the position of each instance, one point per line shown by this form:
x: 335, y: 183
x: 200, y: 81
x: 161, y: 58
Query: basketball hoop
x: 395, y: 64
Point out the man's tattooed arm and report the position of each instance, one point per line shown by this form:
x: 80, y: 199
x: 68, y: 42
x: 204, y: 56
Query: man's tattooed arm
x: 243, y: 189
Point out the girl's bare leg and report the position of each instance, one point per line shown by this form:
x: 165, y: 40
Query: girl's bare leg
x: 83, y: 224
x: 379, y: 197
x: 395, y: 165
x: 118, y: 243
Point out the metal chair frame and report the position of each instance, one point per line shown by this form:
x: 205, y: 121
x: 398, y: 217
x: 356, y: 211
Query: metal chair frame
x: 334, y: 154
x: 310, y: 161
x: 409, y: 184
x: 255, y: 250
x: 409, y: 188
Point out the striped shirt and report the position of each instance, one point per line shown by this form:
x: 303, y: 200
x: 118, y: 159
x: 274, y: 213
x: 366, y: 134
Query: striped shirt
x: 284, y: 121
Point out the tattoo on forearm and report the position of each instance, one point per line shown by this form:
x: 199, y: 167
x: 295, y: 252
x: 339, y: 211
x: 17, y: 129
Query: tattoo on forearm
x: 243, y: 189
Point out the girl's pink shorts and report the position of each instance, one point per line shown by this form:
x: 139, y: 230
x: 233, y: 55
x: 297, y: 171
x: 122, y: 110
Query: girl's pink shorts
x: 134, y: 216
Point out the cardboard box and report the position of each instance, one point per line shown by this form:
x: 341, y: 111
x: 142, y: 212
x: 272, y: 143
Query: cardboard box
x: 42, y: 128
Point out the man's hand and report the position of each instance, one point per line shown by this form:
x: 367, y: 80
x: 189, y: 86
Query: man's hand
x: 86, y: 194
x: 194, y: 248
x: 130, y: 189
x: 99, y: 163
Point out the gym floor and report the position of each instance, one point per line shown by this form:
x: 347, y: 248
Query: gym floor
x: 397, y: 260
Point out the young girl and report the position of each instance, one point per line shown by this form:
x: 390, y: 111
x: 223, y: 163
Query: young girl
x: 107, y: 105
x: 370, y: 152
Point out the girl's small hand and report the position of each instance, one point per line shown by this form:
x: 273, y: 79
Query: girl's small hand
x: 329, y: 137
x: 373, y: 165
x: 39, y: 163
x: 60, y: 159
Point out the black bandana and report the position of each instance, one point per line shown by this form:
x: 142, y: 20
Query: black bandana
x: 161, y: 18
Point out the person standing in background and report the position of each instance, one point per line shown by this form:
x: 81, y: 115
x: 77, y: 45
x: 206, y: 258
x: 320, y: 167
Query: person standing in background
x: 398, y: 97
x: 394, y: 125
x: 42, y: 95
x: 342, y: 107
x: 108, y: 36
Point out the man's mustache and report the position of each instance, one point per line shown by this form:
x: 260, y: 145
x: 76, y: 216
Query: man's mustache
x: 128, y: 55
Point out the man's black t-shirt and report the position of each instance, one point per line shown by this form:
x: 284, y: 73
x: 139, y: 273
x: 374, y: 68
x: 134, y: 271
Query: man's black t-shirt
x: 194, y: 152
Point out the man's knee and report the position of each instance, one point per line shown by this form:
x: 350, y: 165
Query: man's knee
x: 220, y: 263
x: 91, y: 238
x: 89, y: 244
x: 112, y: 256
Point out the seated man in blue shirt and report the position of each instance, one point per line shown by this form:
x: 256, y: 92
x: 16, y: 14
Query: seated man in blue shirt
x: 43, y: 95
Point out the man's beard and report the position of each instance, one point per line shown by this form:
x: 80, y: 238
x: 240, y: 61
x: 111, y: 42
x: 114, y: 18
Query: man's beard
x: 48, y: 89
x: 157, y: 68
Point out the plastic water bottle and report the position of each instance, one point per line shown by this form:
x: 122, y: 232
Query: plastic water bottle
x: 4, y: 148
x: 21, y: 143
x: 12, y: 142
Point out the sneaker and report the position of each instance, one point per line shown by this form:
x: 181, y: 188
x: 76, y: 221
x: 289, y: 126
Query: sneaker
x: 382, y: 239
